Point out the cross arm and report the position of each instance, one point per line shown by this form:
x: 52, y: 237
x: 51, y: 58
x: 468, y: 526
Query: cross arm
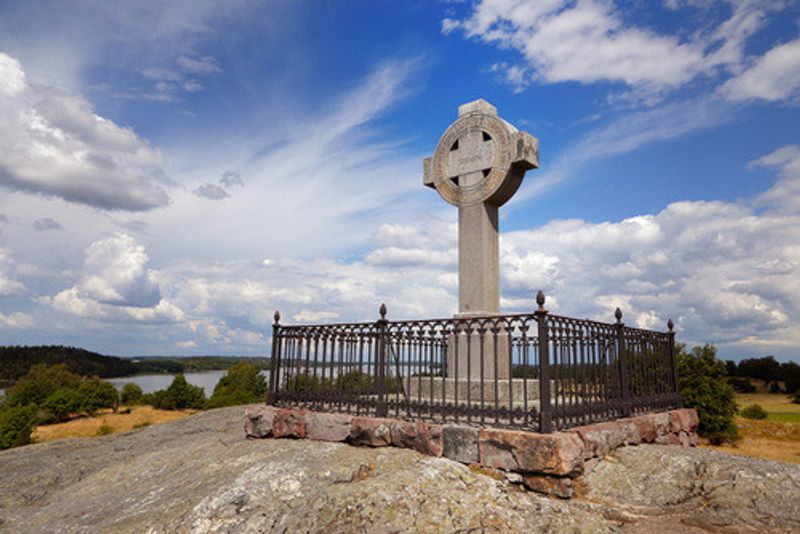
x: 427, y: 174
x: 526, y: 151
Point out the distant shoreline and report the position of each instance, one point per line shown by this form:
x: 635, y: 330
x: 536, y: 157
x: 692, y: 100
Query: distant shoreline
x: 16, y: 361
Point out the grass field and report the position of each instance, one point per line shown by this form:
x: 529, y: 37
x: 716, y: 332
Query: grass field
x: 84, y: 427
x: 776, y: 438
x: 779, y: 406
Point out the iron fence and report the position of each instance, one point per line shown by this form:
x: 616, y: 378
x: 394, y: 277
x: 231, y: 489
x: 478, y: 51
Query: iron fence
x: 534, y: 371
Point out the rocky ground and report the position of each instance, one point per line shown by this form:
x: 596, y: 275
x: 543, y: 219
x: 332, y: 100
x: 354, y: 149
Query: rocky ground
x: 200, y: 474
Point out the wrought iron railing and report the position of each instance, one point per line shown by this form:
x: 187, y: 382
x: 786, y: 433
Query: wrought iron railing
x: 532, y: 371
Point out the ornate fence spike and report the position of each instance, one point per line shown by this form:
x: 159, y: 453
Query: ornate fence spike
x: 670, y: 325
x: 618, y: 315
x: 382, y: 311
x: 540, y: 300
x: 277, y: 316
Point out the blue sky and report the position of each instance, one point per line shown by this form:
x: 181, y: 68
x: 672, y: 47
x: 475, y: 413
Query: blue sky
x: 171, y: 174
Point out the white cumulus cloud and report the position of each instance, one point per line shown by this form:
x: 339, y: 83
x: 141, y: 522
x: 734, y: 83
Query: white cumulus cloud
x: 773, y: 76
x: 591, y: 41
x: 116, y: 284
x: 54, y: 144
x: 8, y: 286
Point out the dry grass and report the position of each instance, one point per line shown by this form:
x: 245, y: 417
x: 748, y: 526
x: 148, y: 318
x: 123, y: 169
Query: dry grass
x: 773, y: 439
x: 87, y: 426
x: 779, y: 406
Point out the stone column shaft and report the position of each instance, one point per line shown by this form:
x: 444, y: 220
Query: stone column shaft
x: 478, y: 263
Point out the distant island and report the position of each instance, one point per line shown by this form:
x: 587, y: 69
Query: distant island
x: 15, y: 361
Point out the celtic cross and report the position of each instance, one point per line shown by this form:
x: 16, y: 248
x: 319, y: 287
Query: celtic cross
x: 478, y: 165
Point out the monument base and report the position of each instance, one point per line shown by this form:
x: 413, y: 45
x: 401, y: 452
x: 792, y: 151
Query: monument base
x: 437, y: 388
x: 464, y: 356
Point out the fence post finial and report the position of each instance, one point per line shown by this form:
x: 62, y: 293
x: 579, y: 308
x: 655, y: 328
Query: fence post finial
x: 274, y: 360
x: 545, y: 410
x: 381, y: 350
x: 670, y: 325
x: 618, y: 315
x: 540, y: 300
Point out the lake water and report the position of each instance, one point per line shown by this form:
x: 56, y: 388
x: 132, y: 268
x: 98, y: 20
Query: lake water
x: 149, y: 383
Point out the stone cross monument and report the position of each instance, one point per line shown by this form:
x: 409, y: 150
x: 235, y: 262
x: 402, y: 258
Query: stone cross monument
x: 478, y: 165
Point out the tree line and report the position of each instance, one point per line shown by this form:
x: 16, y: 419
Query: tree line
x: 779, y: 377
x: 16, y: 362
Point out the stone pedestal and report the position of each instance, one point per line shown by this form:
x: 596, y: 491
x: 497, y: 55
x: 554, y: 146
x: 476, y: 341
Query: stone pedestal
x: 514, y: 390
x: 464, y: 356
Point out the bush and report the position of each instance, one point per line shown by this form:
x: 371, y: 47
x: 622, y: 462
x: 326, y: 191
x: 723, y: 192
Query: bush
x: 157, y: 399
x: 183, y: 395
x: 754, y: 411
x: 96, y: 394
x: 180, y: 395
x: 16, y: 425
x: 742, y: 385
x: 242, y: 384
x: 355, y: 382
x: 391, y: 384
x: 131, y: 394
x: 104, y: 429
x: 60, y: 405
x: 796, y: 399
x: 40, y: 382
x: 306, y: 382
x: 775, y: 388
x: 143, y: 424
x: 702, y: 387
x: 525, y: 371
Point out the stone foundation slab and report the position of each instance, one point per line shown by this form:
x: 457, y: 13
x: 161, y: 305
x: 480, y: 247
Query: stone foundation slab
x: 546, y: 463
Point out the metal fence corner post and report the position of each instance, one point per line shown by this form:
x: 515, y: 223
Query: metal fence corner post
x: 545, y: 408
x: 274, y: 364
x: 674, y: 360
x: 382, y: 333
x: 622, y: 356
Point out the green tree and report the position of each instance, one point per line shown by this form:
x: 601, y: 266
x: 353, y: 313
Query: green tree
x: 41, y: 382
x: 180, y: 395
x: 766, y: 368
x: 131, y: 394
x: 306, y: 382
x: 16, y: 425
x: 703, y: 387
x: 61, y: 404
x: 356, y: 382
x: 97, y: 394
x: 158, y: 399
x: 790, y: 374
x: 242, y: 384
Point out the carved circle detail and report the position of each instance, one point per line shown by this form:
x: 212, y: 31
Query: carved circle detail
x: 498, y: 172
